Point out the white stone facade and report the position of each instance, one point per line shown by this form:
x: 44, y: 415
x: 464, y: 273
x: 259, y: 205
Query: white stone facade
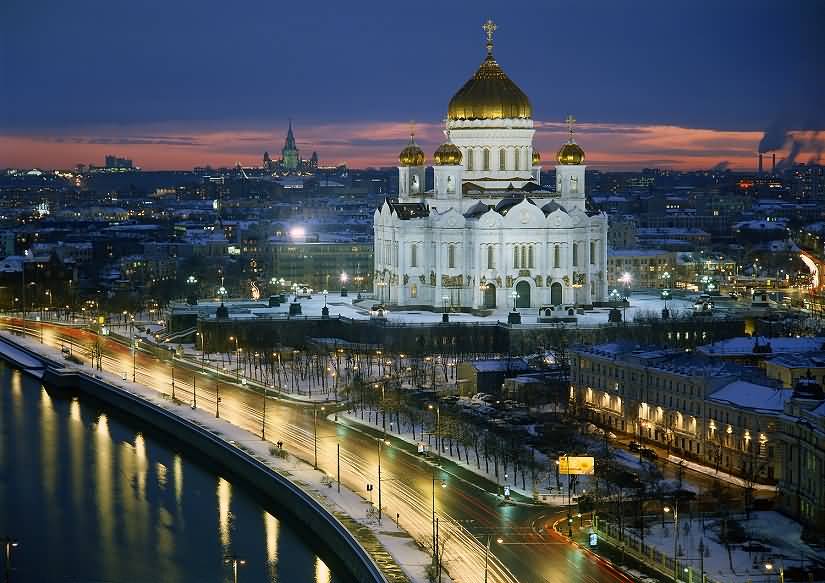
x: 487, y: 235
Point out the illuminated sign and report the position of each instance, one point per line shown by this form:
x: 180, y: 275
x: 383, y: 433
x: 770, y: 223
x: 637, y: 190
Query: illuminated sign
x: 581, y: 465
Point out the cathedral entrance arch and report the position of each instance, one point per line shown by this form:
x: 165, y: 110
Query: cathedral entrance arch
x: 523, y: 291
x: 555, y: 294
x: 490, y: 296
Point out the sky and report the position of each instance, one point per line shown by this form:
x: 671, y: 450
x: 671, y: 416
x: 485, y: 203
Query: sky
x: 173, y: 84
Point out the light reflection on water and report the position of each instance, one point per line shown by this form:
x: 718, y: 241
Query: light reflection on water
x: 91, y: 498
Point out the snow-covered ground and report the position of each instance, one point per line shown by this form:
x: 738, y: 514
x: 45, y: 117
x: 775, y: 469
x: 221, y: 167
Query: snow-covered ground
x: 642, y: 303
x: 778, y: 538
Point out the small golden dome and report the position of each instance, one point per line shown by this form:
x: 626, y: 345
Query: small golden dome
x: 411, y: 155
x: 447, y: 154
x: 570, y: 154
x: 489, y: 94
x: 536, y: 157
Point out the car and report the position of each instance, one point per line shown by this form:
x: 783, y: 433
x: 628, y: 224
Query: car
x: 648, y: 453
x: 634, y: 446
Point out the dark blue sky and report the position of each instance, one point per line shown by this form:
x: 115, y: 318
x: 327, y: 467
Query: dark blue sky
x: 713, y: 64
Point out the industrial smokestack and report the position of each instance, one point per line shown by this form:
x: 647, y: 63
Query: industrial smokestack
x: 759, y: 169
x: 773, y: 163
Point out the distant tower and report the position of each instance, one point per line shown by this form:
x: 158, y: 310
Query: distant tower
x: 289, y: 153
x: 759, y: 169
x: 313, y: 161
x: 570, y: 170
x: 773, y: 163
x: 411, y: 170
x: 447, y: 171
x: 267, y: 161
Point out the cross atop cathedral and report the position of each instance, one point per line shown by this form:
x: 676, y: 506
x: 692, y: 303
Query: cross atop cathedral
x: 489, y: 28
x: 570, y: 121
x: 412, y: 130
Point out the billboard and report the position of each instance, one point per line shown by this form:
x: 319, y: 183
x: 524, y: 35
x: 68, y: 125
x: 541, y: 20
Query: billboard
x: 576, y: 465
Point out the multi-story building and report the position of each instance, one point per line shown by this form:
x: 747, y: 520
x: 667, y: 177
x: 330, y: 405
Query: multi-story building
x: 645, y: 266
x: 724, y: 414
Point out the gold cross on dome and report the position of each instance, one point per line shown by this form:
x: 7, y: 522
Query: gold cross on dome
x: 570, y: 121
x: 489, y: 28
x: 412, y: 129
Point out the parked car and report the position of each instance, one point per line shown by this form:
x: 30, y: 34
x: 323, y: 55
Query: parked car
x: 648, y: 453
x: 634, y: 446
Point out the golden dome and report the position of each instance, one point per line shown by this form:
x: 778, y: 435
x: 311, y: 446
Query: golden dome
x: 570, y: 154
x: 489, y: 94
x: 536, y: 157
x: 411, y: 155
x: 447, y: 154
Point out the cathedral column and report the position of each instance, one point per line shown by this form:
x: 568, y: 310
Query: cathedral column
x: 439, y: 250
x: 476, y: 273
x: 402, y: 263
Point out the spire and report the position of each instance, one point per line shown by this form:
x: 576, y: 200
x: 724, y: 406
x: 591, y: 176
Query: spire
x: 489, y: 28
x: 570, y: 131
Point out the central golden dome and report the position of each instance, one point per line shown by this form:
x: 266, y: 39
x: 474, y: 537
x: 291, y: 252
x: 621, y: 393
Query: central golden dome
x: 489, y: 94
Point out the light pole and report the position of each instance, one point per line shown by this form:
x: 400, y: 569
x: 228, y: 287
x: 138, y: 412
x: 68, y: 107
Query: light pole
x: 343, y: 279
x: 315, y: 431
x: 499, y: 540
x: 217, y: 399
x: 381, y: 443
x: 437, y: 424
x: 8, y: 545
x: 769, y: 567
x: 436, y: 559
x: 134, y: 359
x: 235, y: 562
x: 237, y: 358
x: 626, y: 280
x: 263, y: 419
x: 675, y: 536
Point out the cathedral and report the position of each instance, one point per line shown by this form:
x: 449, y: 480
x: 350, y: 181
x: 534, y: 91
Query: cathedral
x: 487, y: 236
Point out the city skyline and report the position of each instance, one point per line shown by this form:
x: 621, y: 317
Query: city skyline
x: 191, y: 90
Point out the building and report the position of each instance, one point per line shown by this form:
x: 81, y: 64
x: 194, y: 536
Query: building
x: 725, y: 415
x: 487, y: 236
x: 321, y: 262
x: 290, y: 162
x: 488, y: 376
x: 645, y: 267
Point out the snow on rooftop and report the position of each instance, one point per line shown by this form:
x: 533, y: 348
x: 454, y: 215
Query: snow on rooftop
x: 744, y: 345
x: 752, y: 396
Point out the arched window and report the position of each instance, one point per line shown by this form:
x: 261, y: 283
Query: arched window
x: 414, y: 188
x: 517, y: 164
x: 491, y: 259
x: 556, y: 255
x: 516, y: 256
x: 486, y: 158
x: 575, y: 254
x: 414, y: 255
x: 502, y: 159
x: 413, y: 291
x: 451, y: 256
x: 450, y: 185
x: 592, y: 253
x: 469, y: 159
x: 530, y: 257
x: 574, y: 184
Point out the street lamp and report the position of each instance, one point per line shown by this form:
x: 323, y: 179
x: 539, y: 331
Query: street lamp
x: 769, y: 566
x: 437, y: 423
x: 675, y: 535
x: 344, y: 277
x: 237, y: 358
x: 8, y: 545
x: 235, y: 562
x: 315, y: 431
x: 436, y: 559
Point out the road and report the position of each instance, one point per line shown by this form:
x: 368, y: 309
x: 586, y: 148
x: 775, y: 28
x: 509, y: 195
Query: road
x: 468, y: 511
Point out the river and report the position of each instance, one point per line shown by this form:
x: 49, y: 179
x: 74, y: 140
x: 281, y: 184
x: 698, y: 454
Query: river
x: 93, y: 496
